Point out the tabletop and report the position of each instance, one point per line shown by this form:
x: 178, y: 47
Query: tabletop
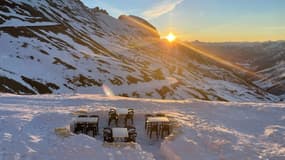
x: 121, y: 111
x: 157, y: 119
x: 86, y: 119
x: 120, y: 132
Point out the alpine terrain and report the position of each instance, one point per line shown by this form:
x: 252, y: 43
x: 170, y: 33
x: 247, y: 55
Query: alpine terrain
x: 77, y: 83
x: 53, y: 46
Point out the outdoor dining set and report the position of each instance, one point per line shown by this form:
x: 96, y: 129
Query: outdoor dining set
x: 126, y: 132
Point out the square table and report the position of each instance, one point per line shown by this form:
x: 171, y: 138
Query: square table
x: 120, y: 132
x: 158, y: 121
x: 122, y: 111
x: 76, y: 120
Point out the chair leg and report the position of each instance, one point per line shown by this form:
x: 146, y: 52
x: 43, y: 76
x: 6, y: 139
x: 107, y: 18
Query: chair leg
x: 109, y: 122
x: 157, y: 135
x: 126, y: 121
x: 168, y: 131
x: 84, y: 130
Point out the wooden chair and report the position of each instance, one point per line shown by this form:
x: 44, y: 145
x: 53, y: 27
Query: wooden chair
x: 107, y: 134
x: 113, y: 116
x: 132, y: 134
x: 130, y: 116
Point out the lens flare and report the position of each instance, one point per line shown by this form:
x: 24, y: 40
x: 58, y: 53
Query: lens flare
x: 107, y: 90
x: 220, y: 60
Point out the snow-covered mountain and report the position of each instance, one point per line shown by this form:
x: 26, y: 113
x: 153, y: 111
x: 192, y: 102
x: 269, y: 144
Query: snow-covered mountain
x: 267, y: 59
x: 56, y: 46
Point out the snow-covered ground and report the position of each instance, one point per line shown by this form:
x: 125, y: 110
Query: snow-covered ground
x: 203, y: 130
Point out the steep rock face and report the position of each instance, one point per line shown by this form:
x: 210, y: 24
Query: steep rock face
x: 53, y: 46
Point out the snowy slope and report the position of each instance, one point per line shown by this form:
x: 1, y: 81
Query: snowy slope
x: 52, y: 46
x: 203, y: 130
x: 267, y: 59
x: 273, y: 78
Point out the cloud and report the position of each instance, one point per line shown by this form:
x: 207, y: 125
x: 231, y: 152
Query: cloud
x: 161, y: 8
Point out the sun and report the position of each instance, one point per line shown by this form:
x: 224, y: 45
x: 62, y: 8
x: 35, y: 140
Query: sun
x: 170, y: 37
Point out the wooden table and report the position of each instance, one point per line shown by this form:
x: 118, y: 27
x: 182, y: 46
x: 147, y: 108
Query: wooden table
x: 75, y: 120
x: 120, y: 132
x: 157, y: 121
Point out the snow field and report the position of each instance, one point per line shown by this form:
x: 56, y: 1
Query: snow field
x: 203, y: 130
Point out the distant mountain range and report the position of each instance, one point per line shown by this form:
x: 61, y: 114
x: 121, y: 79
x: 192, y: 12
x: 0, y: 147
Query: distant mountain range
x: 54, y: 46
x: 267, y: 59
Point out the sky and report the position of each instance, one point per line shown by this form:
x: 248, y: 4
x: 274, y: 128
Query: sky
x: 206, y: 20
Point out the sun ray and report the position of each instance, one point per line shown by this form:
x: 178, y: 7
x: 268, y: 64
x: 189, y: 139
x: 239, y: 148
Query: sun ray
x: 171, y: 37
x: 220, y: 60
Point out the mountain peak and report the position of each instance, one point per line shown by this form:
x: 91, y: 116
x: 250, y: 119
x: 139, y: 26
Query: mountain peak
x: 139, y: 22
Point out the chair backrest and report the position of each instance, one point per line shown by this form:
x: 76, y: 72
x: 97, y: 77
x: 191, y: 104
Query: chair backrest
x: 131, y: 112
x: 113, y: 115
x: 130, y: 127
x: 131, y: 109
x: 132, y: 130
x: 148, y: 115
x: 82, y: 115
x: 112, y: 111
x: 132, y: 134
x: 107, y: 131
x: 160, y: 115
x: 94, y: 116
